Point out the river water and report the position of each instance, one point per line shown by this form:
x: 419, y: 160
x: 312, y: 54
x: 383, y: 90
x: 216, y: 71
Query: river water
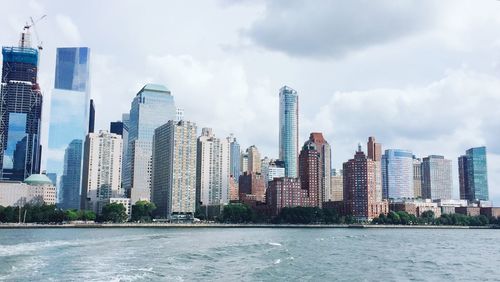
x: 246, y: 254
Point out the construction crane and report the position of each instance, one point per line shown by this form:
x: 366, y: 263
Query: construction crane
x: 33, y: 24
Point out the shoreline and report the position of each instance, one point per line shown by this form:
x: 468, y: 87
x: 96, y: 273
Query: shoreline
x: 229, y: 225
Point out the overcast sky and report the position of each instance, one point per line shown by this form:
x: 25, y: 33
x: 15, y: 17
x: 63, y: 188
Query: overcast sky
x: 418, y: 75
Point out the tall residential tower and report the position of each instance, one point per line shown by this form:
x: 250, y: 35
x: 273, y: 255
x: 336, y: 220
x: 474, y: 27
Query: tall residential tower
x: 289, y: 130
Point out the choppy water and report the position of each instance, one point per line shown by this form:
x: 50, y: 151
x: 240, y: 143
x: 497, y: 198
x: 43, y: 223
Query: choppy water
x: 248, y: 255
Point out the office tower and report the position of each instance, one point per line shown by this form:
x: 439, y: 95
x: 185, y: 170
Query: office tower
x: 244, y: 163
x: 337, y: 184
x: 310, y: 171
x: 473, y: 175
x: 325, y: 165
x: 20, y: 112
x: 436, y: 178
x: 152, y: 107
x: 101, y: 176
x: 417, y: 177
x: 212, y: 169
x: 360, y: 200
x: 264, y: 169
x: 179, y: 114
x: 234, y: 157
x: 174, y: 169
x: 116, y: 127
x: 276, y: 169
x: 253, y: 160
x: 375, y: 154
x: 397, y: 174
x: 91, y: 116
x: 252, y: 187
x: 69, y: 122
x: 125, y: 122
x: 289, y: 130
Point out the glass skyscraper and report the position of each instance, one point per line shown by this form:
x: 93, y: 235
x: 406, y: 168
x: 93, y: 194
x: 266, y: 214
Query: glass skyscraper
x: 436, y: 178
x: 152, y: 107
x: 69, y: 122
x: 234, y: 158
x: 473, y: 175
x: 397, y: 174
x: 20, y: 112
x: 289, y: 130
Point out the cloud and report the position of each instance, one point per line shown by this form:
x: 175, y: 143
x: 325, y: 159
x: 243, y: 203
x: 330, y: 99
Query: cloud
x: 68, y: 29
x: 334, y: 28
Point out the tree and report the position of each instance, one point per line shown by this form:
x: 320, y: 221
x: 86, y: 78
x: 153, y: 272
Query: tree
x: 404, y: 217
x: 86, y: 215
x: 143, y: 211
x: 71, y: 215
x: 114, y: 212
x: 393, y: 218
x: 237, y: 213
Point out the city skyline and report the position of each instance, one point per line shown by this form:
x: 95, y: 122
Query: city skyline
x: 440, y: 136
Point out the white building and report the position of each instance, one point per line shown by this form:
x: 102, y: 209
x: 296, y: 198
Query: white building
x: 124, y: 201
x: 37, y: 189
x: 275, y: 170
x: 337, y: 185
x: 212, y: 169
x: 174, y: 169
x: 101, y: 175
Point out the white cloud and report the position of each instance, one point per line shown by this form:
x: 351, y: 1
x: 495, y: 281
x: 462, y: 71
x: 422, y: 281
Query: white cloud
x: 68, y: 29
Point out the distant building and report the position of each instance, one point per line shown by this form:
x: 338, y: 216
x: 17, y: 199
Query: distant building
x: 116, y: 127
x: 212, y: 169
x: 325, y: 164
x: 415, y: 207
x: 125, y: 121
x: 417, y: 177
x: 310, y: 172
x: 252, y: 185
x: 397, y: 174
x: 437, y: 181
x: 179, y: 114
x: 275, y: 170
x: 375, y: 154
x: 233, y: 190
x: 37, y: 189
x: 91, y: 116
x: 152, y: 107
x: 244, y: 163
x: 254, y: 165
x: 337, y: 185
x: 264, y: 169
x: 289, y: 130
x: 473, y: 175
x: 360, y: 198
x: 124, y: 201
x: 174, y: 170
x: 101, y: 177
x: 70, y: 182
x: 286, y: 192
x: 234, y: 157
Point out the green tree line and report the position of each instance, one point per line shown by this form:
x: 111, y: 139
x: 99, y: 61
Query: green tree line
x: 428, y: 218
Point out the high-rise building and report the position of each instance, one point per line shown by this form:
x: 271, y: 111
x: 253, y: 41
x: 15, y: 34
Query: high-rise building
x: 275, y: 170
x: 264, y: 169
x: 212, y: 169
x: 437, y: 181
x: 310, y: 172
x: 91, y: 116
x: 101, y: 177
x: 325, y: 165
x: 473, y: 175
x: 397, y: 174
x: 179, y: 114
x: 286, y: 192
x: 289, y: 130
x: 125, y: 122
x: 20, y: 112
x: 417, y: 177
x: 174, y: 169
x: 251, y: 186
x: 337, y: 184
x: 152, y: 107
x: 234, y: 157
x: 70, y: 121
x: 375, y: 154
x: 360, y: 200
x: 243, y: 163
x: 254, y: 161
x: 116, y: 127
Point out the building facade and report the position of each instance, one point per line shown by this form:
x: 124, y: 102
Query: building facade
x: 152, y: 107
x: 234, y: 157
x: 37, y: 189
x: 417, y: 178
x: 289, y: 130
x: 310, y: 172
x: 252, y: 186
x: 102, y: 163
x: 473, y: 175
x: 325, y: 165
x: 70, y: 121
x: 437, y: 180
x: 286, y: 192
x: 397, y: 174
x: 375, y: 154
x: 20, y: 112
x: 174, y: 170
x: 337, y: 185
x: 254, y: 161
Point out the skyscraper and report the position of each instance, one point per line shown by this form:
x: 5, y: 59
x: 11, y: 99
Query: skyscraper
x: 417, y: 177
x: 20, y: 112
x: 375, y: 154
x: 310, y: 171
x: 101, y: 177
x: 234, y: 158
x: 359, y: 182
x: 69, y: 122
x: 125, y: 122
x: 374, y: 149
x: 337, y: 185
x: 473, y: 175
x: 436, y: 178
x: 397, y: 174
x: 212, y: 169
x: 289, y: 130
x: 152, y: 107
x: 325, y: 165
x: 91, y: 116
x: 254, y: 161
x: 116, y: 127
x: 174, y: 169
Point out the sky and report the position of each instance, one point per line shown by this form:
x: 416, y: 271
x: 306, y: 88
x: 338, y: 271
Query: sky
x: 418, y: 75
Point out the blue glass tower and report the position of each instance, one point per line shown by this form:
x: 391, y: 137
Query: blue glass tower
x: 20, y: 112
x: 289, y: 130
x: 234, y: 158
x: 473, y: 175
x: 397, y: 174
x: 152, y: 107
x: 69, y: 122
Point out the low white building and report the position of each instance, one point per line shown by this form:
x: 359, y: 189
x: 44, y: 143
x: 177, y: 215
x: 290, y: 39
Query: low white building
x: 124, y: 201
x: 37, y: 189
